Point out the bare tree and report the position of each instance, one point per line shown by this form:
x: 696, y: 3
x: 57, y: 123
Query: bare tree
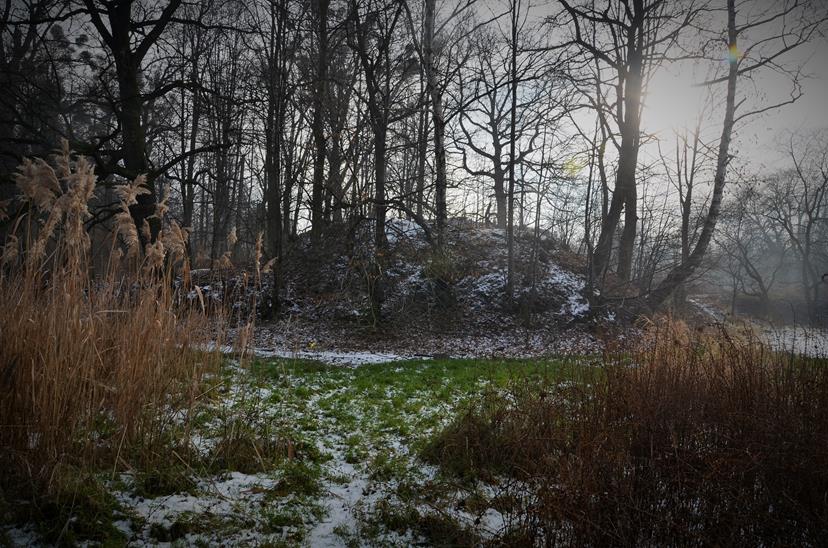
x: 319, y: 11
x: 755, y: 249
x: 797, y: 203
x: 630, y: 38
x: 484, y: 123
x: 373, y: 30
x: 130, y: 40
x: 788, y: 25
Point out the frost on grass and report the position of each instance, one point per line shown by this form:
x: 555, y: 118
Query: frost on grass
x: 218, y: 508
x: 342, y: 358
x: 353, y: 474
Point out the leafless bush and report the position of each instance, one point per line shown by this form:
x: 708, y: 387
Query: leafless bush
x: 697, y: 439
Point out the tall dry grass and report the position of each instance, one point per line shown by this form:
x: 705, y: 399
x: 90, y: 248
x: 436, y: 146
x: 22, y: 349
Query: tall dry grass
x: 96, y: 371
x: 697, y: 439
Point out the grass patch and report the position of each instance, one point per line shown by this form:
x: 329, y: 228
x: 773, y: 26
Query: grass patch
x: 163, y: 481
x: 189, y: 523
x: 78, y: 508
x: 298, y: 478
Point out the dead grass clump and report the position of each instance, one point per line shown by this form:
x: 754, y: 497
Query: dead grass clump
x: 96, y: 372
x: 705, y: 439
x: 240, y: 448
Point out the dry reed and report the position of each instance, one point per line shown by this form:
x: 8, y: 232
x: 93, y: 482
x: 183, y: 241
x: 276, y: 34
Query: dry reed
x: 95, y: 371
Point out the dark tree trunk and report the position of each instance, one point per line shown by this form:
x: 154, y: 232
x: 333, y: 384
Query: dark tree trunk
x: 134, y: 139
x: 128, y: 58
x: 510, y: 227
x: 438, y: 120
x: 335, y: 175
x: 422, y: 148
x: 318, y: 124
x: 499, y: 187
x: 683, y: 271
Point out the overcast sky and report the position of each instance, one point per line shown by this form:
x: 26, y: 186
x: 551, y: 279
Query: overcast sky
x: 809, y: 113
x: 760, y: 141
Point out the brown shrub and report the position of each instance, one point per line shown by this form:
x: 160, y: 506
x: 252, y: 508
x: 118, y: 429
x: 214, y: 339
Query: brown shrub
x: 700, y: 439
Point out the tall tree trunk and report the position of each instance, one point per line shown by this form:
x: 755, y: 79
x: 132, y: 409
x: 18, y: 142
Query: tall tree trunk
x: 626, y: 245
x: 683, y: 271
x: 510, y: 228
x: 335, y: 175
x: 377, y: 295
x: 499, y: 186
x: 274, y: 204
x: 422, y: 149
x: 628, y: 159
x: 438, y: 121
x: 318, y: 124
x: 379, y: 187
x: 189, y: 183
x: 624, y: 196
x: 680, y: 294
x: 289, y: 227
x: 134, y: 140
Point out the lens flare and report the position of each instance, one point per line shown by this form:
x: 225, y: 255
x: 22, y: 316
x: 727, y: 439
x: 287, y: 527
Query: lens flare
x: 573, y: 167
x: 733, y: 54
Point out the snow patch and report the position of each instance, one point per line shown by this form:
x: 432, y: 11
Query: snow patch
x: 224, y: 496
x: 341, y: 503
x: 572, y: 287
x: 348, y: 359
x: 329, y: 357
x: 402, y: 229
x: 797, y: 339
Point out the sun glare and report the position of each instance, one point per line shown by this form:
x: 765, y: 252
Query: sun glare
x: 672, y: 101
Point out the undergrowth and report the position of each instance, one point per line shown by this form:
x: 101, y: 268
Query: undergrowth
x: 700, y: 439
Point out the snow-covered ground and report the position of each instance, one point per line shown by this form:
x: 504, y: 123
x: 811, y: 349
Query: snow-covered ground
x: 347, y: 359
x: 397, y: 230
x: 353, y: 424
x: 328, y: 357
x: 802, y: 340
x: 225, y: 498
x: 710, y: 311
x: 795, y: 339
x: 571, y: 286
x: 454, y: 303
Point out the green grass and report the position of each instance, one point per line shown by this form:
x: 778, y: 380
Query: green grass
x: 382, y: 416
x: 292, y: 419
x: 79, y: 509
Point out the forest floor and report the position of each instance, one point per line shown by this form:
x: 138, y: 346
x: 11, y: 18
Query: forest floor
x: 297, y: 337
x: 446, y: 305
x: 300, y: 452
